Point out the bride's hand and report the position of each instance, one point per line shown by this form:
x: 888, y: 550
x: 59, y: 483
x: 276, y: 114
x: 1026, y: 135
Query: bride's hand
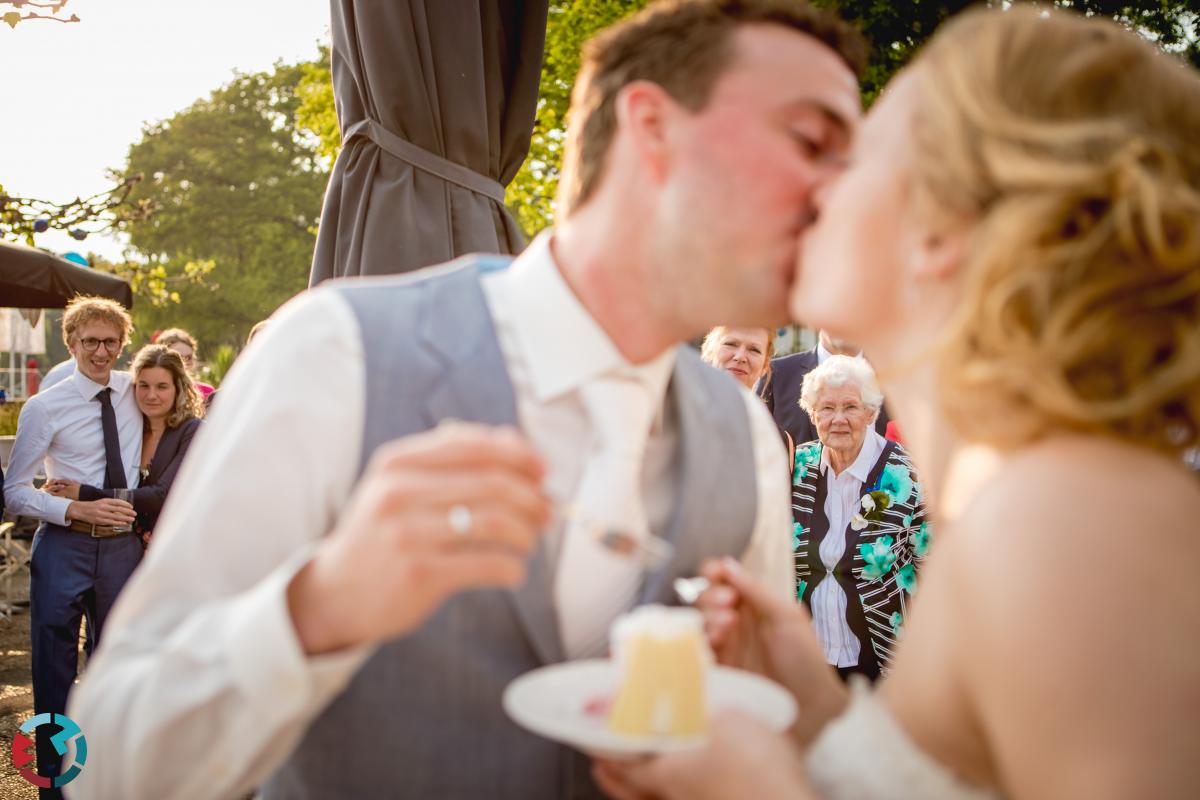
x: 61, y: 487
x: 751, y: 628
x: 742, y: 758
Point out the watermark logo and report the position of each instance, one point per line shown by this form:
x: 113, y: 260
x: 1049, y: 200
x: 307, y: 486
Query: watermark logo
x: 70, y: 738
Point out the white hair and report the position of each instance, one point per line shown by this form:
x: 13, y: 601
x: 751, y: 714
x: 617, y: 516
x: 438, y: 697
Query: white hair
x: 840, y: 371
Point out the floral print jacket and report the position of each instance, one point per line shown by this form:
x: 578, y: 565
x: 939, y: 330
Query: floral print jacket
x: 885, y: 543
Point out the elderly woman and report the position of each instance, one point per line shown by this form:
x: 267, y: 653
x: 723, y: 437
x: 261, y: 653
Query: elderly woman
x: 171, y: 409
x: 859, y: 522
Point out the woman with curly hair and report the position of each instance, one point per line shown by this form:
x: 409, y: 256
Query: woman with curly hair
x: 1023, y: 208
x: 171, y: 409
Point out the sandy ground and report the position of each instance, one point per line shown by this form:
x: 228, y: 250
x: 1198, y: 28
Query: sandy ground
x: 16, y: 700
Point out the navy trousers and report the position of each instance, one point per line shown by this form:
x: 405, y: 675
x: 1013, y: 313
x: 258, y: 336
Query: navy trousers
x: 71, y: 575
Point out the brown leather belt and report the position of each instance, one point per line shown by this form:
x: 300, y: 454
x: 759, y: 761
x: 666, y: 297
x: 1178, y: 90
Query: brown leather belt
x: 96, y: 531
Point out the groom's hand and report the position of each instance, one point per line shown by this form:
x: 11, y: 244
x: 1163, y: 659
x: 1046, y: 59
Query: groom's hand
x: 458, y: 507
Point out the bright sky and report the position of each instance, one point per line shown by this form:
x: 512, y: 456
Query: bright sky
x: 75, y: 96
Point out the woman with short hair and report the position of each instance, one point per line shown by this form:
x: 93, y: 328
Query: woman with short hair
x: 745, y: 353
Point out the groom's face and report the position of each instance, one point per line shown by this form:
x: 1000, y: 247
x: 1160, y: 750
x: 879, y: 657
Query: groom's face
x: 744, y: 170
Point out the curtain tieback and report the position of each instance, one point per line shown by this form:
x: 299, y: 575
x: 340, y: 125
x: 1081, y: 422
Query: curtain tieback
x: 424, y: 160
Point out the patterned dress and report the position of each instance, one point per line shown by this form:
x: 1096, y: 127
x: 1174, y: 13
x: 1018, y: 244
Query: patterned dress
x: 885, y: 543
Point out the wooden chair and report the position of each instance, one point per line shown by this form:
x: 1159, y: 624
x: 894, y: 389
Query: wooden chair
x: 14, y: 561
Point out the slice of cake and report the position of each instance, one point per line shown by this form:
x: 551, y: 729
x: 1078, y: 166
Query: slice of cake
x: 663, y: 659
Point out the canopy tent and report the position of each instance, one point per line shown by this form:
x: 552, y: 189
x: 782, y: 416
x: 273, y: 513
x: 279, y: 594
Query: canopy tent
x: 436, y: 100
x: 32, y: 278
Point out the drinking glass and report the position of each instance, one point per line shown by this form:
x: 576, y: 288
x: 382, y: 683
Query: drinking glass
x: 127, y: 496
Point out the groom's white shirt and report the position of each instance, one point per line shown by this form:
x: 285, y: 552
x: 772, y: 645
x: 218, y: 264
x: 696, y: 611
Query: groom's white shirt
x: 200, y: 688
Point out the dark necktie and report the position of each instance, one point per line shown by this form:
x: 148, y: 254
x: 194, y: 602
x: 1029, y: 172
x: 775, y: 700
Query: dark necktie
x: 114, y: 473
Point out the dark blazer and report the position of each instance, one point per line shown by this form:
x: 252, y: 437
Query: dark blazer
x: 782, y: 396
x: 150, y: 495
x: 878, y: 603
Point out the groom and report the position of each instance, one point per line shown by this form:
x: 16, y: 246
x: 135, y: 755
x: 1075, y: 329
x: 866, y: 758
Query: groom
x: 320, y: 616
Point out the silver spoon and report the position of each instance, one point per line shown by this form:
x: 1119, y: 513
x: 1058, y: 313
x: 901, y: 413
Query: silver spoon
x: 690, y: 589
x: 653, y: 551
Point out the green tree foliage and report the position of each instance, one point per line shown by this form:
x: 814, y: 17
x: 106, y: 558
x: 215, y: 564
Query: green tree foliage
x: 316, y: 112
x: 151, y: 282
x: 896, y: 31
x: 218, y: 363
x: 237, y: 189
x: 570, y: 23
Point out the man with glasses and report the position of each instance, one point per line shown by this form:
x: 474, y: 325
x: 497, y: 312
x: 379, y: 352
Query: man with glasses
x: 87, y: 428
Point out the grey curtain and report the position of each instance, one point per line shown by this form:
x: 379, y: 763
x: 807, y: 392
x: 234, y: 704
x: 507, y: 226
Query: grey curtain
x: 436, y: 100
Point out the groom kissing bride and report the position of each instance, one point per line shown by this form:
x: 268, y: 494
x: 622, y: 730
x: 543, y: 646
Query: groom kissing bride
x: 337, y: 599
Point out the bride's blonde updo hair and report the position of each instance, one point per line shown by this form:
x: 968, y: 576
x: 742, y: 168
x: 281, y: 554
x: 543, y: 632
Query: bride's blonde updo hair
x: 1075, y: 145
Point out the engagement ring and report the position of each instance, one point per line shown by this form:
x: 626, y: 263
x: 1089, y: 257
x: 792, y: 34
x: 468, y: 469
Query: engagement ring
x: 459, y: 517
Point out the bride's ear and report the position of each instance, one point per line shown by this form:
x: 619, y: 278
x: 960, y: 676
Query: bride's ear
x: 937, y: 254
x: 932, y: 260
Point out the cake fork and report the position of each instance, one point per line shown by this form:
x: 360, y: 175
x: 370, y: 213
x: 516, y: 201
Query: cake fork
x: 653, y: 551
x: 690, y: 589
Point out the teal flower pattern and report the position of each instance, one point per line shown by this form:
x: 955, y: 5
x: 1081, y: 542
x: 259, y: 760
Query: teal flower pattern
x: 797, y: 533
x: 897, y: 481
x: 878, y: 556
x: 805, y: 458
x: 892, y: 539
x: 921, y: 540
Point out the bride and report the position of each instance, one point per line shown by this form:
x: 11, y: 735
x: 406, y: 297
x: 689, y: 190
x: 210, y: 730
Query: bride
x: 1018, y: 248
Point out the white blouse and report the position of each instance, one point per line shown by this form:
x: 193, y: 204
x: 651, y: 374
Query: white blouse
x: 829, y: 599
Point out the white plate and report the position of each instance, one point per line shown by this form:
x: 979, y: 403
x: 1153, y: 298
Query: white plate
x: 550, y: 702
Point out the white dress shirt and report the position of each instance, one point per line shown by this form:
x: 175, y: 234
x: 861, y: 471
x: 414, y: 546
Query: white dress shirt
x: 823, y: 355
x: 200, y: 688
x: 60, y: 429
x: 829, y: 600
x: 58, y: 373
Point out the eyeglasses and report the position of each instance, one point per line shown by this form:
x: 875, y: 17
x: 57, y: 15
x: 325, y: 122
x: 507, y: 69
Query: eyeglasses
x: 90, y: 343
x: 850, y: 412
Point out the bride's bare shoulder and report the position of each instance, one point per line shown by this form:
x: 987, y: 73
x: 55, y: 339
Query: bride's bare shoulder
x: 1071, y: 579
x: 1080, y: 535
x: 1073, y: 533
x: 1074, y: 488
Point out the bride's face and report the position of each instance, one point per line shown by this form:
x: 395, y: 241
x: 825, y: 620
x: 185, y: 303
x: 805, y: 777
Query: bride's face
x: 854, y: 262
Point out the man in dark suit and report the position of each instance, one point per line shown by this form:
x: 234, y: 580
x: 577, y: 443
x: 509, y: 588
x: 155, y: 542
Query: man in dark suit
x: 782, y: 393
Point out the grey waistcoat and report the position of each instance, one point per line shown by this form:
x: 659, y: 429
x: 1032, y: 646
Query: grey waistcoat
x: 422, y: 718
